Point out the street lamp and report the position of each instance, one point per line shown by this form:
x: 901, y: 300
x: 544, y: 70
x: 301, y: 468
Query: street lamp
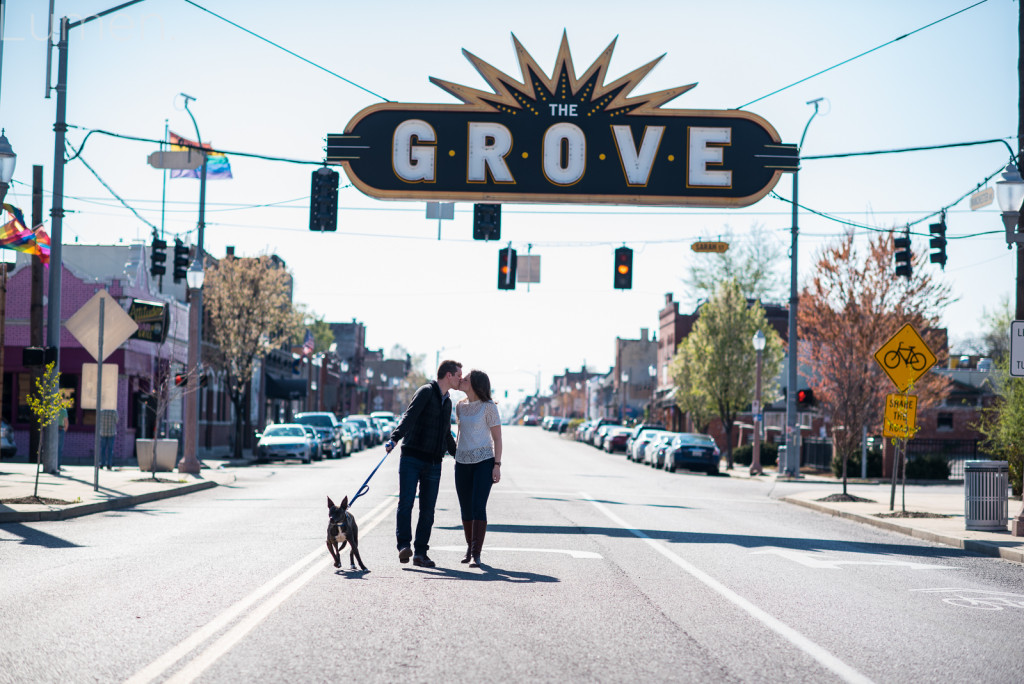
x: 369, y: 381
x: 194, y: 278
x: 652, y: 371
x: 792, y: 434
x: 755, y: 465
x: 625, y: 382
x: 1010, y: 194
x: 8, y: 160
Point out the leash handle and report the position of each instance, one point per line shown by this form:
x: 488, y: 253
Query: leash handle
x: 366, y: 483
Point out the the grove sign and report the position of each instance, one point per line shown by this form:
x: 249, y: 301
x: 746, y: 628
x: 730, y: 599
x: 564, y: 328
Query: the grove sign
x: 561, y: 138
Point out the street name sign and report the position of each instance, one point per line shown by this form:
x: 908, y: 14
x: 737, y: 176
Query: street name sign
x: 905, y: 357
x: 716, y: 247
x: 900, y: 416
x: 982, y: 198
x: 176, y: 159
x: 561, y: 138
x: 1017, y: 349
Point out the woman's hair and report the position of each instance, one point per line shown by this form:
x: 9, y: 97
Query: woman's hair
x: 481, y: 385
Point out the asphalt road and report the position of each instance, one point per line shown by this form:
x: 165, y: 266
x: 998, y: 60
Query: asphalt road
x: 598, y: 569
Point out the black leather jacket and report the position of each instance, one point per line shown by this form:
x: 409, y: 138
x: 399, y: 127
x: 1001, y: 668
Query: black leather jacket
x: 425, y: 426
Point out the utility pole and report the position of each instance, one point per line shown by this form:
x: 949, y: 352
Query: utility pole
x: 1019, y: 315
x: 35, y: 317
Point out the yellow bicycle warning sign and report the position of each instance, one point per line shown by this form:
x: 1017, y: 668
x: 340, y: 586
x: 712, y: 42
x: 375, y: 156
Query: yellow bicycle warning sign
x: 905, y: 357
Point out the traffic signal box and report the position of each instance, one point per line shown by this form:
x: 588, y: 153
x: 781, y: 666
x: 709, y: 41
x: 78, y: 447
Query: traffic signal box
x: 805, y: 398
x: 157, y: 257
x: 938, y: 243
x: 180, y: 260
x: 507, y: 269
x: 902, y: 254
x: 323, y: 200
x: 486, y: 221
x: 623, y: 268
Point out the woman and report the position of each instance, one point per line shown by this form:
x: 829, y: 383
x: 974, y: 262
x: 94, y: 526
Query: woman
x: 477, y: 458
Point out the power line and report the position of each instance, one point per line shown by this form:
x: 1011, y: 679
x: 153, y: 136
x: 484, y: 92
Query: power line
x: 281, y: 47
x: 867, y: 52
x: 899, y: 150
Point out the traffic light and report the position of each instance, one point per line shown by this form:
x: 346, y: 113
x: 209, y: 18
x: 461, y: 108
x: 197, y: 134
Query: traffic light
x: 902, y: 254
x: 804, y: 398
x: 623, y: 268
x: 323, y: 200
x: 486, y: 221
x: 507, y: 269
x: 180, y: 260
x: 938, y: 243
x: 180, y: 379
x: 157, y: 257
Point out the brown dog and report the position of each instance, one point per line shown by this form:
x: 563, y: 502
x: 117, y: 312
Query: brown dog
x: 341, y: 530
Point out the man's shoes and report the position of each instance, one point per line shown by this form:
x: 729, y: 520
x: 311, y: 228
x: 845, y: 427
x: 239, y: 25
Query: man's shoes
x: 423, y: 561
x: 404, y: 554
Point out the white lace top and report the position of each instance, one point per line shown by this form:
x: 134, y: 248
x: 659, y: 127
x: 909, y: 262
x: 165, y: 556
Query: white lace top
x: 476, y: 418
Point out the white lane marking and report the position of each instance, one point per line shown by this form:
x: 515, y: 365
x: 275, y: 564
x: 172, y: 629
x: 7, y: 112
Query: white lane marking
x: 206, y: 632
x: 829, y: 661
x: 981, y: 599
x: 812, y: 559
x: 571, y: 552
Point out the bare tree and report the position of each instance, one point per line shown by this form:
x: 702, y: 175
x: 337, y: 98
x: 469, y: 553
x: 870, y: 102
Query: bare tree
x: 852, y: 306
x: 248, y: 301
x: 752, y: 261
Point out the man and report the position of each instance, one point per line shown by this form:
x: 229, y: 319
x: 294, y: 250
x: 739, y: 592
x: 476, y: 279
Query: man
x: 426, y: 434
x: 108, y: 429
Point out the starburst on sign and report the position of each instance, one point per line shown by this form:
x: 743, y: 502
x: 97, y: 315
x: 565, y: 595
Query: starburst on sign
x: 589, y: 91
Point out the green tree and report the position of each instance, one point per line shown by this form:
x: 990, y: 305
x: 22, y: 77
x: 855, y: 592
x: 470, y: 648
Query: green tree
x: 715, y: 364
x: 46, y: 402
x: 752, y: 261
x: 1002, y: 424
x: 243, y: 332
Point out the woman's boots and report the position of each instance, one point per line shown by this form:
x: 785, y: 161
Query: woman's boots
x: 467, y: 527
x: 479, y: 531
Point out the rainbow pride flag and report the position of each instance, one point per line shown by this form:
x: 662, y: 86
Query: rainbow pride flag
x: 17, y: 236
x: 217, y: 165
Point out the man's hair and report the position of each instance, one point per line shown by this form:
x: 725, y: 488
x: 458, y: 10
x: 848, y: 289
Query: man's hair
x: 446, y: 367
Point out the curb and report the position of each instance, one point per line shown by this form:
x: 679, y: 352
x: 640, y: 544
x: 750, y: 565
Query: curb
x: 973, y: 545
x: 100, y: 506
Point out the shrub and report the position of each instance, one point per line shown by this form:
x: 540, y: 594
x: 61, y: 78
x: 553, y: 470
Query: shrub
x: 570, y: 430
x: 744, y: 455
x: 928, y: 467
x: 853, y: 464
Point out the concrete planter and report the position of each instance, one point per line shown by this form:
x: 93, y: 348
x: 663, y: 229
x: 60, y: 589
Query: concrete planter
x: 166, y: 454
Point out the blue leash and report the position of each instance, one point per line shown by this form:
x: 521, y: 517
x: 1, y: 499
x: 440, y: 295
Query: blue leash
x: 366, y: 484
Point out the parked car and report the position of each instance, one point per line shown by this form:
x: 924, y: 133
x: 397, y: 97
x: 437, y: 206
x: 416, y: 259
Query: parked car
x: 328, y: 428
x: 8, y: 449
x: 601, y: 432
x: 316, y: 445
x: 581, y: 430
x: 591, y: 436
x: 635, y: 451
x: 282, y: 441
x: 530, y: 419
x: 347, y: 439
x: 615, y: 439
x: 639, y: 430
x: 371, y: 433
x: 693, y: 451
x: 654, y: 454
x: 360, y: 433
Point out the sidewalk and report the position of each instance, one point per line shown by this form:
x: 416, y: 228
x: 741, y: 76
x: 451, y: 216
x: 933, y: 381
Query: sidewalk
x: 72, y: 494
x: 939, y: 499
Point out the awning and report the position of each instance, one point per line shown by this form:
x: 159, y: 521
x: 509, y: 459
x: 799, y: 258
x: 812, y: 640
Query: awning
x: 285, y: 388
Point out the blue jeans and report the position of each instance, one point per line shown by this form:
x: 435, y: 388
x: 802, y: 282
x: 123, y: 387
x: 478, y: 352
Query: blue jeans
x: 412, y: 472
x: 107, y: 451
x: 473, y: 485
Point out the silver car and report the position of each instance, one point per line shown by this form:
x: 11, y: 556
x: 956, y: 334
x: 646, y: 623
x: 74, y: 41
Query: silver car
x: 283, y: 441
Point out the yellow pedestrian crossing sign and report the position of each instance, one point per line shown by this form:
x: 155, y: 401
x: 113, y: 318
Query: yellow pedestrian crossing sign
x: 900, y: 416
x: 905, y: 357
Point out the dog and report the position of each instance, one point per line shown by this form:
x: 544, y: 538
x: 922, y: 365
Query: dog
x: 341, y: 530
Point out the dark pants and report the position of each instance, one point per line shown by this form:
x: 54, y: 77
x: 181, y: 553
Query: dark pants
x: 413, y: 472
x: 473, y: 485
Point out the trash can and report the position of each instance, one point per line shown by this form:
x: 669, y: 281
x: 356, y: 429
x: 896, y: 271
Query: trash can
x: 986, y: 504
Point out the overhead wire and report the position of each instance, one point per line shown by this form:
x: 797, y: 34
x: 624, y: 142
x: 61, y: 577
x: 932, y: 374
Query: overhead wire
x: 290, y: 52
x: 866, y: 52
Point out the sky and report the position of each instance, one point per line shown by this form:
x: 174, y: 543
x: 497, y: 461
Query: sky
x: 952, y: 82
